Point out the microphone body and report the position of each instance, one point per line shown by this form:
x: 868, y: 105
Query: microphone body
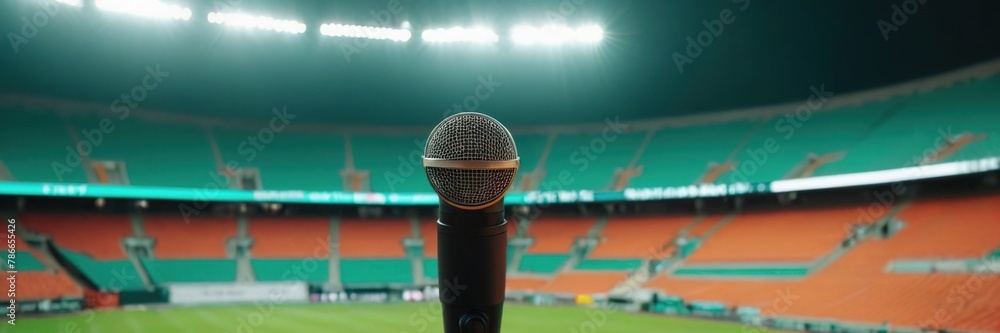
x: 472, y: 264
x: 471, y: 161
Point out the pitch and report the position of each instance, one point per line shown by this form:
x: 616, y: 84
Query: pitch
x: 342, y: 318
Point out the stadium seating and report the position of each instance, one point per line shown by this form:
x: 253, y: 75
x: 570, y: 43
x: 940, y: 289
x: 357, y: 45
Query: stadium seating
x: 30, y: 148
x: 527, y: 284
x: 76, y: 232
x: 584, y: 282
x: 590, y: 159
x: 637, y: 237
x: 556, y: 234
x: 681, y: 156
x: 309, y: 269
x: 38, y: 282
x: 373, y: 238
x: 155, y: 153
x: 857, y: 287
x: 542, y: 263
x: 781, y: 236
x: 392, y: 161
x: 106, y: 275
x: 779, y: 146
x: 376, y: 271
x: 530, y: 148
x: 609, y: 265
x: 290, y: 237
x: 291, y: 161
x: 190, y: 270
x: 202, y: 237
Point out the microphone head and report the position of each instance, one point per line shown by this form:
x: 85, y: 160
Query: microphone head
x: 471, y: 160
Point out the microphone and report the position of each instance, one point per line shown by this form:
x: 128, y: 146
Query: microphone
x: 471, y: 160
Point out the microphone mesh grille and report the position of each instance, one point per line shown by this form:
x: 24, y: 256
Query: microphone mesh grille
x: 470, y: 136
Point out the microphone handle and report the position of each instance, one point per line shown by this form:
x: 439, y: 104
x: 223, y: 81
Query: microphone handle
x: 472, y: 268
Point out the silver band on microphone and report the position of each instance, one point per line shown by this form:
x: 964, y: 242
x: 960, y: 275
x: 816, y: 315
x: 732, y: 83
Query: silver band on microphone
x: 471, y: 164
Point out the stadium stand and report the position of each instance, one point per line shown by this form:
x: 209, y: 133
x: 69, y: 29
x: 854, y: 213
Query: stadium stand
x: 857, y: 287
x: 291, y: 161
x: 190, y: 270
x: 383, y: 156
x: 43, y: 282
x: 309, y: 269
x: 375, y: 271
x: 528, y: 284
x: 531, y: 150
x: 781, y: 236
x: 202, y: 237
x: 373, y: 238
x: 155, y: 153
x: 556, y: 234
x: 289, y: 237
x: 781, y: 147
x: 542, y: 263
x: 637, y: 237
x: 31, y: 160
x: 698, y: 146
x: 105, y: 275
x: 584, y: 282
x: 76, y: 232
x: 591, y: 159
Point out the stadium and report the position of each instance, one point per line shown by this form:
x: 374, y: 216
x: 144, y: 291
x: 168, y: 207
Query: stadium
x: 258, y: 166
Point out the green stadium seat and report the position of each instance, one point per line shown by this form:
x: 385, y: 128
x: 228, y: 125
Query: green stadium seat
x: 431, y: 268
x: 111, y: 275
x: 609, y: 265
x: 542, y: 263
x: 393, y: 162
x: 376, y: 271
x: 30, y: 142
x: 305, y: 269
x: 193, y: 270
x: 591, y: 167
x: 27, y: 262
x: 292, y: 161
x: 681, y: 156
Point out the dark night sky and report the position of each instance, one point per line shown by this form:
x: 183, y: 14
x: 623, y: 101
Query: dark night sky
x: 772, y: 52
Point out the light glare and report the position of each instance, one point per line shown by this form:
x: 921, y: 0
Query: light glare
x: 459, y: 34
x: 369, y: 32
x: 145, y: 8
x: 556, y: 34
x: 241, y: 20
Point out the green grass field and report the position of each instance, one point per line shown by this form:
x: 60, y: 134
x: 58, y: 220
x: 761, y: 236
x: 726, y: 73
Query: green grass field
x: 341, y: 318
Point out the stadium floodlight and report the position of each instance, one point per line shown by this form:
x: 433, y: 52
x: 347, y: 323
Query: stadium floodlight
x: 556, y: 34
x: 369, y: 32
x: 146, y: 8
x: 459, y: 34
x: 242, y: 20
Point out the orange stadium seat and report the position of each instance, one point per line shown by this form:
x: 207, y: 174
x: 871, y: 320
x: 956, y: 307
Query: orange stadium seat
x: 79, y: 232
x: 203, y: 237
x: 638, y: 237
x: 428, y: 230
x: 793, y: 235
x: 584, y: 282
x: 856, y: 286
x: 46, y: 285
x: 289, y: 237
x: 528, y: 284
x: 702, y: 227
x: 556, y: 234
x: 373, y: 238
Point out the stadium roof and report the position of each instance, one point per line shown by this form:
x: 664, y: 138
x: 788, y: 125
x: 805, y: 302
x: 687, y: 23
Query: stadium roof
x: 770, y: 53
